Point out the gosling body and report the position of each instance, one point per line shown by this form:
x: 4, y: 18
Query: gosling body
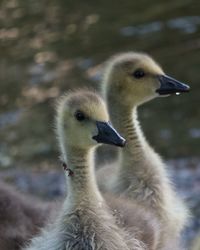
x: 21, y: 217
x: 140, y: 175
x: 84, y: 222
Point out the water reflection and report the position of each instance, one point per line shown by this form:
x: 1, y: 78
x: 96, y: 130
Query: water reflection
x: 187, y: 24
x: 10, y: 118
x: 194, y: 133
x: 47, y: 49
x: 141, y: 30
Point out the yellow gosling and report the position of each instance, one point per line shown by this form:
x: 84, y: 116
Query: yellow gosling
x: 84, y: 222
x: 130, y: 80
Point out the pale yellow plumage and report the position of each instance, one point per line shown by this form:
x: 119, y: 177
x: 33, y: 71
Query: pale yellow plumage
x: 84, y: 221
x: 139, y: 174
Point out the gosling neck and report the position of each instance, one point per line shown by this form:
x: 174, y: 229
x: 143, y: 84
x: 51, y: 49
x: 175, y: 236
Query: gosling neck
x: 81, y: 186
x: 124, y: 119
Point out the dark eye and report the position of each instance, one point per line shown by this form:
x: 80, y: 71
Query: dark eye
x: 80, y: 116
x: 139, y: 73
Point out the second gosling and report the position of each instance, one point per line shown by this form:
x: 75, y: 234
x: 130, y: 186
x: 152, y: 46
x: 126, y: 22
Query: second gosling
x: 130, y: 80
x: 84, y: 222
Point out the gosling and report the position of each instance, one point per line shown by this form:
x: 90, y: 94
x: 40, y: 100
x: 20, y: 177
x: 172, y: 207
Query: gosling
x: 21, y: 217
x: 84, y: 222
x: 130, y: 80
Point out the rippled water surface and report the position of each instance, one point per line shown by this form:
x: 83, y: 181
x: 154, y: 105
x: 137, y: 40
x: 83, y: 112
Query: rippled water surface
x: 50, y: 46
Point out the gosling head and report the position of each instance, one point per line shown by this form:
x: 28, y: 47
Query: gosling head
x: 136, y: 78
x: 82, y: 122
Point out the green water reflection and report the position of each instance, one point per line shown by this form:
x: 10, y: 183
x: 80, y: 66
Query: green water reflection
x: 47, y: 47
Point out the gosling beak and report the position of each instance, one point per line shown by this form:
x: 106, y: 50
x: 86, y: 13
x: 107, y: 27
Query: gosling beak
x: 108, y: 135
x: 169, y: 85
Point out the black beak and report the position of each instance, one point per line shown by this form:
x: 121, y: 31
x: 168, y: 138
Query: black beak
x: 169, y: 85
x: 108, y: 135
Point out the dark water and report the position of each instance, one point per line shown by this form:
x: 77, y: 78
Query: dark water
x: 47, y: 47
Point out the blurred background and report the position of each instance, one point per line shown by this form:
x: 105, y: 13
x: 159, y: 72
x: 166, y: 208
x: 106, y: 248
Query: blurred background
x: 48, y: 47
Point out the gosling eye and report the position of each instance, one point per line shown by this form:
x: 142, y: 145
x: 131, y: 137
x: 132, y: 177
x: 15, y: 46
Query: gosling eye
x: 139, y: 73
x: 79, y: 115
